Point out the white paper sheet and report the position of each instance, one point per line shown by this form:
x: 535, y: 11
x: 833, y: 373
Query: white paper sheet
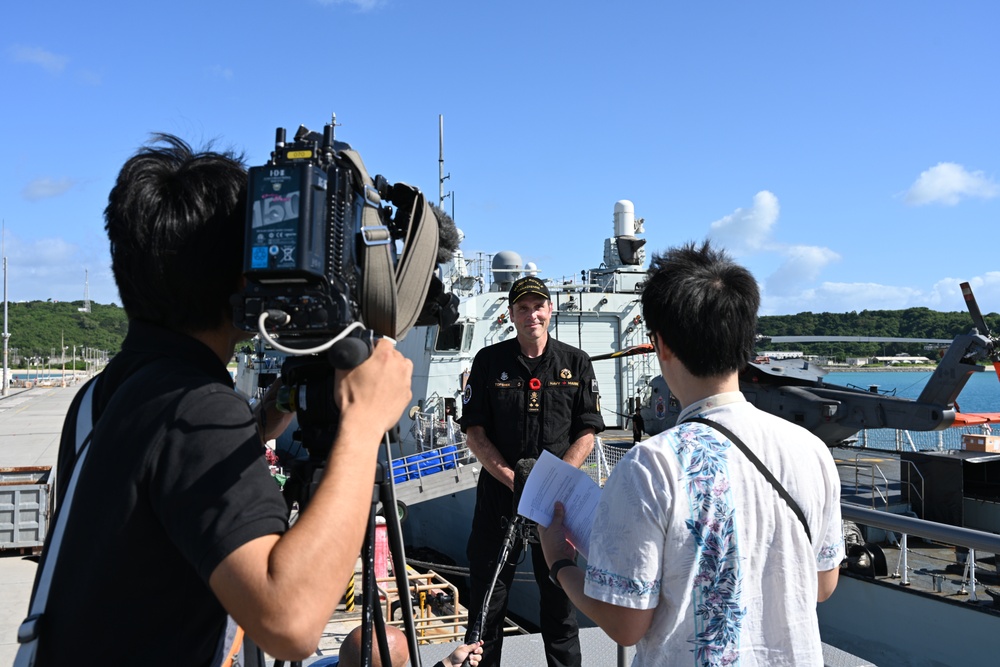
x: 553, y: 479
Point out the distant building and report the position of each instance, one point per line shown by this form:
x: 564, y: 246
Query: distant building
x: 900, y: 359
x: 781, y: 355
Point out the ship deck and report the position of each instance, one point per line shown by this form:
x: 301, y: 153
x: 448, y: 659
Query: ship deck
x: 30, y: 422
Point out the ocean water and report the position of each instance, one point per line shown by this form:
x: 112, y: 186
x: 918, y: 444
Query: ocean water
x: 981, y: 393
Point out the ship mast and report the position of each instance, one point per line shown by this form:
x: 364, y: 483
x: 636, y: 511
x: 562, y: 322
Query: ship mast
x: 441, y: 175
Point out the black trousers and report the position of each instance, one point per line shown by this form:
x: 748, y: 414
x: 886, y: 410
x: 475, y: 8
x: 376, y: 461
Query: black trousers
x: 557, y: 616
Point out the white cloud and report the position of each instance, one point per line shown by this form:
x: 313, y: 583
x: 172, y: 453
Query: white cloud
x: 90, y: 77
x: 802, y: 265
x: 945, y: 295
x: 948, y: 183
x: 747, y: 233
x: 220, y: 72
x: 44, y: 188
x: 746, y: 230
x: 54, y: 268
x: 47, y: 60
x: 832, y: 297
x: 360, y: 5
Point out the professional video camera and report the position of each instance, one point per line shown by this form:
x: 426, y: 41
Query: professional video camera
x: 321, y: 255
x: 330, y: 266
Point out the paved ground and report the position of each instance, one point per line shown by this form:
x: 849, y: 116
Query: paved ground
x: 30, y: 423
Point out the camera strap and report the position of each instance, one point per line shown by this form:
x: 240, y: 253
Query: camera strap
x: 391, y: 300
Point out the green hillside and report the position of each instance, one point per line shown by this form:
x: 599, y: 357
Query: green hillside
x: 38, y: 328
x: 909, y: 323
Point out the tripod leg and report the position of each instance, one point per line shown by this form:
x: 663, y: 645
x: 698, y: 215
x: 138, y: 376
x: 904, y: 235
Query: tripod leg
x: 387, y: 495
x: 367, y: 591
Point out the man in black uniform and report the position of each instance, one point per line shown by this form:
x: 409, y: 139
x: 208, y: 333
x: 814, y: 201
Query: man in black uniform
x: 175, y: 520
x: 524, y: 395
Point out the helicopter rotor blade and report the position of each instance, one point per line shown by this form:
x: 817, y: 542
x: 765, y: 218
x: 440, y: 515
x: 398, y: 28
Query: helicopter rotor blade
x: 644, y: 348
x: 977, y: 315
x: 980, y: 322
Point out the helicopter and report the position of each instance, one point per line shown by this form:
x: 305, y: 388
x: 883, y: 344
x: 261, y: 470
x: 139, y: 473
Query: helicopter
x: 795, y: 390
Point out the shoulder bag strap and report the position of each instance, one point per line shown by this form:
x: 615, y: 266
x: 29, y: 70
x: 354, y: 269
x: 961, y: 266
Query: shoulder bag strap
x: 760, y: 466
x: 27, y: 633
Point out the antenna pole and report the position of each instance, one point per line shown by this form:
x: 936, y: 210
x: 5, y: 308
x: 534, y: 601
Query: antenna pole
x: 86, y: 291
x: 441, y: 176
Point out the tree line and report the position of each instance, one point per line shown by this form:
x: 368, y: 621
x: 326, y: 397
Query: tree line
x: 909, y: 323
x: 38, y: 329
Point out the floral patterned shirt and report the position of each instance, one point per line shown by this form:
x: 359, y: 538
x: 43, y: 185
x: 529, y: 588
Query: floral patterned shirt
x: 688, y: 526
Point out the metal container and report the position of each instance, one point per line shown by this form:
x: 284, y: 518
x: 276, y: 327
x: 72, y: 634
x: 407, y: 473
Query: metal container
x: 25, y: 507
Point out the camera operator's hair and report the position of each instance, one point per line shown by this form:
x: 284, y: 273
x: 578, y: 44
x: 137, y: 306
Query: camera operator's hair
x: 175, y: 220
x: 704, y: 306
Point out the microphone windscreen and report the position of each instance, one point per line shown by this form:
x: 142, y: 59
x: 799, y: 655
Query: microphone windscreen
x: 448, y: 234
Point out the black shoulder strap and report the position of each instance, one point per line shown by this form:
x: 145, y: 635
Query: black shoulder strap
x: 760, y: 466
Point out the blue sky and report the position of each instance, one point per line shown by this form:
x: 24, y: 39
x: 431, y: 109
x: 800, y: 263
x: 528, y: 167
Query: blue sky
x: 848, y: 153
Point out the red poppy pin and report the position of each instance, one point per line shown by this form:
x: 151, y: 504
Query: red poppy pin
x: 534, y: 384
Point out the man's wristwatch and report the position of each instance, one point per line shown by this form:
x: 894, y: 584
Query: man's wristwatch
x: 558, y: 565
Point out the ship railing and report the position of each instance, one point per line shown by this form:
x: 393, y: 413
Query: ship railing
x: 891, y: 439
x: 878, y: 485
x: 430, y: 432
x: 431, y: 461
x: 911, y: 487
x: 966, y: 538
x: 602, y: 460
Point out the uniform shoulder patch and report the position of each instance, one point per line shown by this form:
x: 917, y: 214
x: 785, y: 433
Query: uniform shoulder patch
x: 467, y: 394
x: 593, y: 387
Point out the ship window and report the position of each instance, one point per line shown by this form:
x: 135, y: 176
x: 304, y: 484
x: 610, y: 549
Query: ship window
x: 470, y: 332
x: 449, y: 339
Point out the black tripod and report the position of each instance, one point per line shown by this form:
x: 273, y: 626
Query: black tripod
x: 371, y: 611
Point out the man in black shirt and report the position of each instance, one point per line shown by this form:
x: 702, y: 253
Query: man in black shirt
x: 524, y: 395
x: 175, y: 520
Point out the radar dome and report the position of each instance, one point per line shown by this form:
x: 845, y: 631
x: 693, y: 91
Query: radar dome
x: 624, y: 218
x: 508, y: 263
x: 530, y: 269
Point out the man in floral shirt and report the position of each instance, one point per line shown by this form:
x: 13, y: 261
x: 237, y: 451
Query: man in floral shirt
x: 695, y: 556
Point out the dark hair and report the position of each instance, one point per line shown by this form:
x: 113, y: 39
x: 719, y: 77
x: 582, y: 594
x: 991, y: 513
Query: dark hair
x: 704, y: 306
x: 175, y: 220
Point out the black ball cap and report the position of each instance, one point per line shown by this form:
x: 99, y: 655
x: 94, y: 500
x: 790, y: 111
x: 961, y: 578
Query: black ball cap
x: 527, y: 285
